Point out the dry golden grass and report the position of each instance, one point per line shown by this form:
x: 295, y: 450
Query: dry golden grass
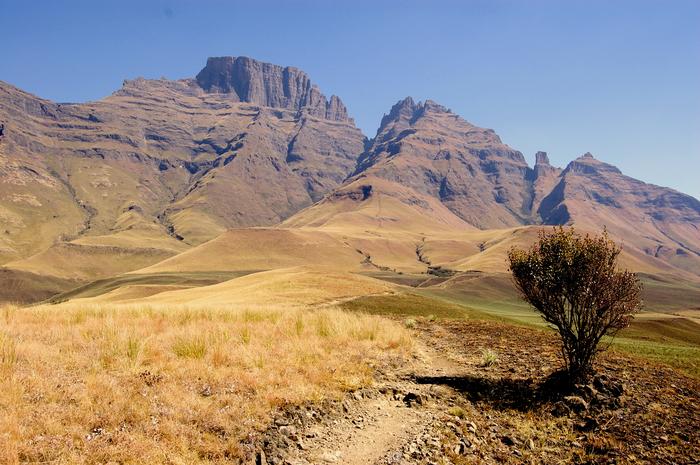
x: 171, y: 384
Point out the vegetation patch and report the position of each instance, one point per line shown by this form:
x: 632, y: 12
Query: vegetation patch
x: 172, y: 384
x: 410, y: 304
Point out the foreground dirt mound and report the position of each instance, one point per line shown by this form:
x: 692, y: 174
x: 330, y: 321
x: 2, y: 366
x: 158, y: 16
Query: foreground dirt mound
x: 482, y: 392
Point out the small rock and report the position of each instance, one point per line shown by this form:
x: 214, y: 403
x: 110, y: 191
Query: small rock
x: 330, y: 457
x: 289, y: 431
x: 576, y: 403
x: 531, y: 444
x: 517, y: 453
x: 589, y: 424
x: 411, y: 398
x: 357, y: 395
x: 260, y: 458
x: 206, y: 391
x: 560, y: 409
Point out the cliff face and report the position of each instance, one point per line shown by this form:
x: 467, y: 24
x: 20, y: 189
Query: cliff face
x: 269, y: 85
x: 428, y: 148
x: 171, y: 162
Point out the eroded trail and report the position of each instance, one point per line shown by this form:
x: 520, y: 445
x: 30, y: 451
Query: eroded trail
x: 446, y: 406
x: 372, y: 431
x: 379, y: 426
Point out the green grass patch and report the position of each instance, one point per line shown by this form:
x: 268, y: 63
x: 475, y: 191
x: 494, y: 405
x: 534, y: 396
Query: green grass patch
x: 682, y: 357
x: 410, y: 305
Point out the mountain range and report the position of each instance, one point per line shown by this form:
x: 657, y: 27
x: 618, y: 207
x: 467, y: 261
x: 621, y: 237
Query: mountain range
x: 250, y: 153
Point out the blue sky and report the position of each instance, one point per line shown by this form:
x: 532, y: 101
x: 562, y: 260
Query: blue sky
x: 620, y: 79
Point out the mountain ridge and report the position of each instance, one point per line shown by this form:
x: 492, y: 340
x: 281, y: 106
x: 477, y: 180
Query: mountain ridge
x: 175, y: 163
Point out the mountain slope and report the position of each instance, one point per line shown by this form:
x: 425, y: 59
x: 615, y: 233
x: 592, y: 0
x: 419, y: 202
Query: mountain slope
x: 426, y: 147
x: 657, y: 221
x: 161, y: 159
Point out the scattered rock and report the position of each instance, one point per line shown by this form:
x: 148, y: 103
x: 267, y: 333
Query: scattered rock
x: 589, y: 424
x: 412, y: 398
x: 576, y: 403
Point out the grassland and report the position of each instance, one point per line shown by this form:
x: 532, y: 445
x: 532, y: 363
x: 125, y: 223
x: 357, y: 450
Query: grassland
x: 655, y: 336
x: 171, y: 383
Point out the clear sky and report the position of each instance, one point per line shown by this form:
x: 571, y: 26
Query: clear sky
x: 618, y: 78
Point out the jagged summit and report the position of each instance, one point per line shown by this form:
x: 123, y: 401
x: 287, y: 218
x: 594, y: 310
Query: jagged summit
x: 406, y: 112
x: 587, y: 163
x: 541, y: 158
x: 267, y: 84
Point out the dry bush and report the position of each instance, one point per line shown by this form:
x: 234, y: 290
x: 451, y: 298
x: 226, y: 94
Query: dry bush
x: 171, y: 384
x: 574, y: 283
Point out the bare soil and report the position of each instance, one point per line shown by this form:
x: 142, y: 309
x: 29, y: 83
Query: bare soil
x: 450, y: 406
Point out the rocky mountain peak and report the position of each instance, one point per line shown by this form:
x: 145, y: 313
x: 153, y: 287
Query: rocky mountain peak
x: 541, y: 158
x: 404, y: 114
x: 588, y: 164
x: 543, y: 169
x: 266, y: 84
x: 402, y: 110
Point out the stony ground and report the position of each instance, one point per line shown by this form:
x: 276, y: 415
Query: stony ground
x: 481, y: 392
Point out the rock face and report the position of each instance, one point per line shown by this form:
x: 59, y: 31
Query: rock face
x: 269, y: 85
x: 165, y: 163
x: 428, y: 148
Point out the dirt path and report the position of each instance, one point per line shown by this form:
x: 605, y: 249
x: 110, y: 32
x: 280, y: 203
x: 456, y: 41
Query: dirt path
x: 365, y: 437
x: 379, y: 428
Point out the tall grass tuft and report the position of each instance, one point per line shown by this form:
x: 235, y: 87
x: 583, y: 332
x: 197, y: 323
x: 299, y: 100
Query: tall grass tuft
x: 488, y: 358
x: 323, y: 325
x: 134, y: 347
x: 299, y: 326
x: 245, y: 335
x: 190, y: 347
x: 8, y: 352
x: 8, y: 311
